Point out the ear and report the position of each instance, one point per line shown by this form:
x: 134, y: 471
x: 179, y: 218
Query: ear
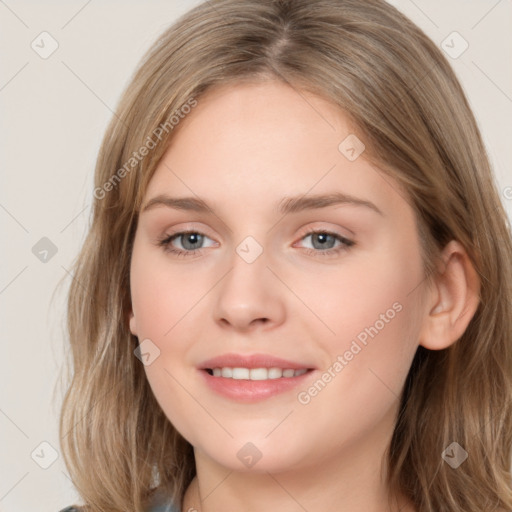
x: 132, y: 323
x: 452, y: 300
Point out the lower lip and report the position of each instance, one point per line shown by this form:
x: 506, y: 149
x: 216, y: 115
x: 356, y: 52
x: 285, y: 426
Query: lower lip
x: 244, y: 390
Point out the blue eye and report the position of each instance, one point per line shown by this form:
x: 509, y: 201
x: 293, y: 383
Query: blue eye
x: 323, y: 243
x: 192, y: 241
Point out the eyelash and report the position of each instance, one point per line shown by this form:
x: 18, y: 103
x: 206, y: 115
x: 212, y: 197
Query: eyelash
x: 165, y: 242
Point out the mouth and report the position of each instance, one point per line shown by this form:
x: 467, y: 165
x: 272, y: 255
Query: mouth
x: 256, y: 373
x: 254, y: 377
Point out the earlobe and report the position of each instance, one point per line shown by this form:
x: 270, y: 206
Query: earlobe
x: 133, y: 324
x: 453, y: 300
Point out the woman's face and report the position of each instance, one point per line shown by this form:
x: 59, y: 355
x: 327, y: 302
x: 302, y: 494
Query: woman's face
x: 251, y: 173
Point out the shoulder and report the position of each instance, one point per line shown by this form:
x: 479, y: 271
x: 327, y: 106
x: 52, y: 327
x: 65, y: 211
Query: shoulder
x: 159, y: 504
x: 164, y: 508
x: 162, y: 503
x: 156, y: 507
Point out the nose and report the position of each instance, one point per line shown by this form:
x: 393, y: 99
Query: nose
x: 249, y: 296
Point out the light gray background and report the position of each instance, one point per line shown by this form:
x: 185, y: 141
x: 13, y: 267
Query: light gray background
x: 54, y: 113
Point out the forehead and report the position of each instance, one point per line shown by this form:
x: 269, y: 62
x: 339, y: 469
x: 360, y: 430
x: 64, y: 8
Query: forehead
x: 251, y: 144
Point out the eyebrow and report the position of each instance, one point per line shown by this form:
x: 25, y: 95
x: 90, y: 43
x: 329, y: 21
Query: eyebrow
x: 287, y: 204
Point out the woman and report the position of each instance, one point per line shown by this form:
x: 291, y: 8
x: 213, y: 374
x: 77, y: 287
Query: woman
x: 295, y: 292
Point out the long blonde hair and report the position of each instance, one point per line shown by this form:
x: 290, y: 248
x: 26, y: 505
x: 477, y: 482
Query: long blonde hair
x: 382, y: 71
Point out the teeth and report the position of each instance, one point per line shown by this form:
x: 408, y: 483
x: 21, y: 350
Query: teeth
x: 227, y: 372
x: 240, y: 373
x: 275, y: 373
x: 257, y: 373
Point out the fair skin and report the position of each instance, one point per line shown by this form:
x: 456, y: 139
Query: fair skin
x: 242, y: 150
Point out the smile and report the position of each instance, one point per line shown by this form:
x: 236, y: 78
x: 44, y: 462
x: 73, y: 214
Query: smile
x: 255, y: 373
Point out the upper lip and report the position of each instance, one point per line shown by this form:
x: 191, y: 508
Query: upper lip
x: 251, y: 361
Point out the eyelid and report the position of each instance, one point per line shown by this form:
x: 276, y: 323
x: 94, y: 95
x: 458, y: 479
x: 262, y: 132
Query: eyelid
x: 337, y: 231
x: 185, y: 227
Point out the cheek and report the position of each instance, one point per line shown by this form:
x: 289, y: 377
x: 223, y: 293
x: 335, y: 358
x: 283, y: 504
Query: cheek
x: 162, y: 293
x: 373, y: 316
x: 160, y: 303
x: 360, y: 388
x: 363, y: 294
x: 376, y: 317
x: 164, y: 300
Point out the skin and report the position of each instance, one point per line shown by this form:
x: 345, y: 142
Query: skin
x: 242, y: 150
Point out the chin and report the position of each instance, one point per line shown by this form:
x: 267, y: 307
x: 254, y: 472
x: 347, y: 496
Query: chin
x: 254, y: 457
